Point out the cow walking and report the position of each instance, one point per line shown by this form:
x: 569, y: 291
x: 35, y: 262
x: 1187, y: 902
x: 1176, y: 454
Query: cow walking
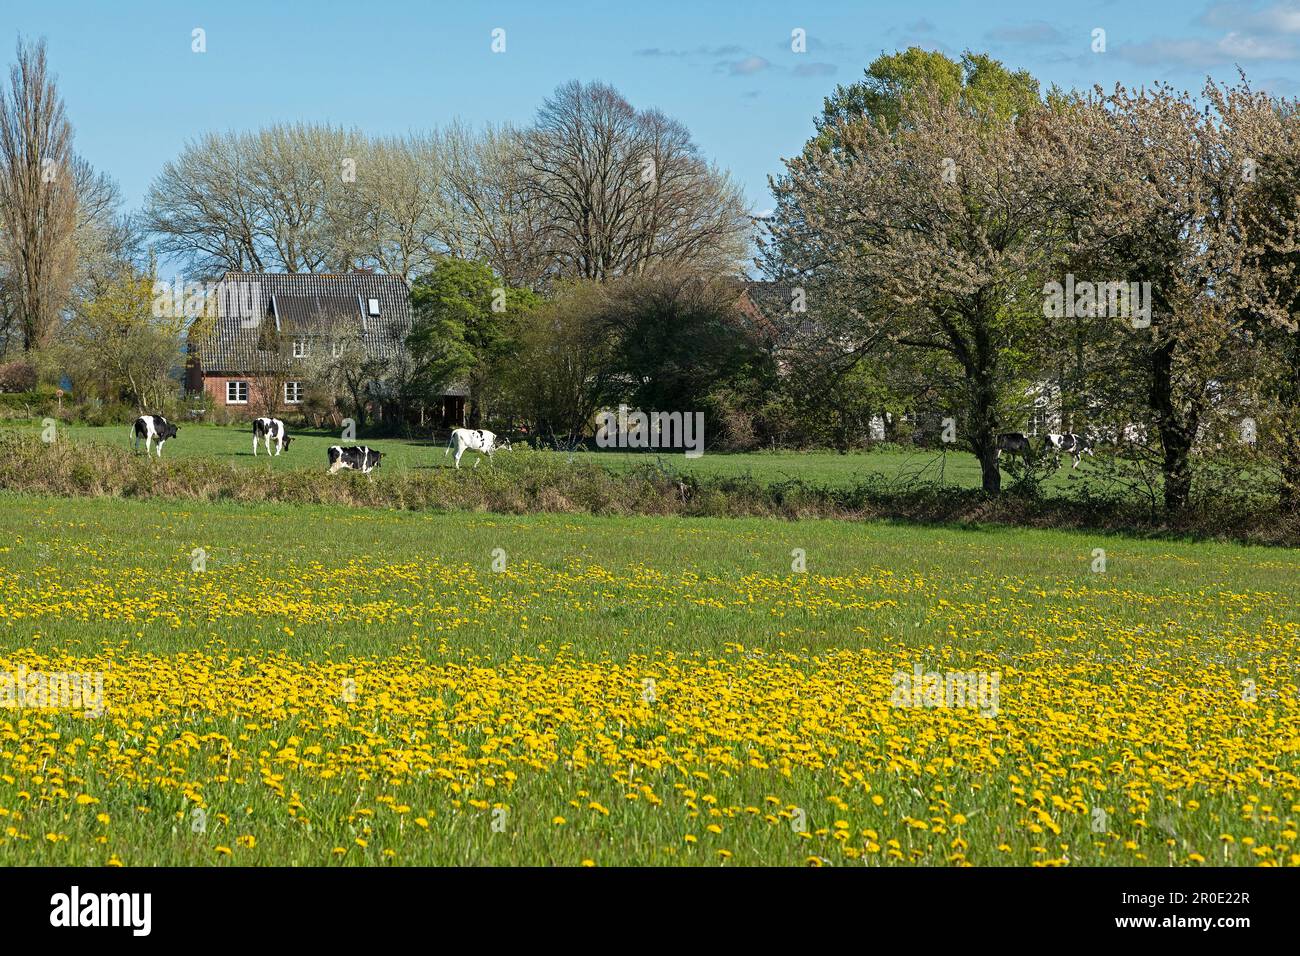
x: 267, y: 430
x: 475, y: 439
x: 152, y: 428
x: 1075, y: 445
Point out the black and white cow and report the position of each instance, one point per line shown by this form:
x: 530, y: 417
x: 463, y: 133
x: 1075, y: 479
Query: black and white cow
x: 358, y: 457
x: 1013, y: 443
x: 475, y: 439
x: 267, y: 430
x: 152, y: 428
x: 1075, y: 445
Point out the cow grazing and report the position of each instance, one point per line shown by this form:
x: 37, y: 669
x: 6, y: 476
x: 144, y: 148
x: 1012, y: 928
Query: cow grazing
x: 267, y: 430
x: 475, y: 439
x: 152, y: 428
x: 1075, y: 445
x: 357, y: 457
x: 1013, y: 443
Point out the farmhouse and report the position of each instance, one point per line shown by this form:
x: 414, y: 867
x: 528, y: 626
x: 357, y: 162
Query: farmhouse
x: 266, y: 335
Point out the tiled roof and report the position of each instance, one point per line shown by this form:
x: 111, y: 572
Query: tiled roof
x: 316, y: 313
x: 769, y: 306
x: 309, y: 303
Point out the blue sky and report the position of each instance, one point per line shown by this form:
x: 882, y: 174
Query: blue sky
x: 135, y: 91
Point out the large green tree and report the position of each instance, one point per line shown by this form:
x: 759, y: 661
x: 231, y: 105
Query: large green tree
x: 461, y: 324
x: 563, y: 359
x: 679, y: 338
x: 977, y: 80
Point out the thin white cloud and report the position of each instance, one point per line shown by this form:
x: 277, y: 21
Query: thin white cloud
x: 748, y: 66
x: 1200, y: 54
x: 1250, y: 31
x: 1283, y: 86
x: 1240, y: 46
x: 1254, y: 17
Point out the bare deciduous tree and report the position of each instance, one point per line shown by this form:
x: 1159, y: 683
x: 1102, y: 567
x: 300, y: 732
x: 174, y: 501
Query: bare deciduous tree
x: 38, y: 198
x: 593, y: 189
x: 281, y: 199
x: 625, y: 191
x: 492, y: 215
x: 397, y: 207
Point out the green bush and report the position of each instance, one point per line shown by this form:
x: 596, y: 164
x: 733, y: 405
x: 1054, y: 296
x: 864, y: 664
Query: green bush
x: 36, y: 402
x: 106, y: 413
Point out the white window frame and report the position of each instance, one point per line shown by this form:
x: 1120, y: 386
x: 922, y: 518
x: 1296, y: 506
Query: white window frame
x: 297, y: 392
x: 1038, y: 417
x: 337, y: 349
x: 239, y: 386
x: 301, y: 348
x: 372, y: 308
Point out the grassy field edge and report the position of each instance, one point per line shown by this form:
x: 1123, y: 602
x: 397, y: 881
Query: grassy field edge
x: 547, y: 482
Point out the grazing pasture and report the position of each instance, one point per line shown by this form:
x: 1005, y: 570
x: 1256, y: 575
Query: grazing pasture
x: 301, y: 684
x: 233, y: 444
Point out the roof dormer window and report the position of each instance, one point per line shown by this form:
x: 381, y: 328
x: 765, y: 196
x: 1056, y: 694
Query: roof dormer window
x: 372, y: 307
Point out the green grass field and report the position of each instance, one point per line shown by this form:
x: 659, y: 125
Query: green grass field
x: 321, y: 686
x: 81, y: 539
x: 234, y: 444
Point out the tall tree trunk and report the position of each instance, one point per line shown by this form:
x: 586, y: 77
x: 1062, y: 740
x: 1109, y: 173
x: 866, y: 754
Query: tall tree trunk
x: 990, y: 474
x: 984, y: 437
x: 1176, y: 431
x: 985, y: 446
x: 984, y: 406
x: 1177, y: 467
x: 1289, y: 492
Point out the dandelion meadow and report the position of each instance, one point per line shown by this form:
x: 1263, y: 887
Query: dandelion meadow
x: 306, y: 685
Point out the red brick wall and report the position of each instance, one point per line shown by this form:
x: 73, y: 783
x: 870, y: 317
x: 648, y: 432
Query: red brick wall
x: 215, y: 387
